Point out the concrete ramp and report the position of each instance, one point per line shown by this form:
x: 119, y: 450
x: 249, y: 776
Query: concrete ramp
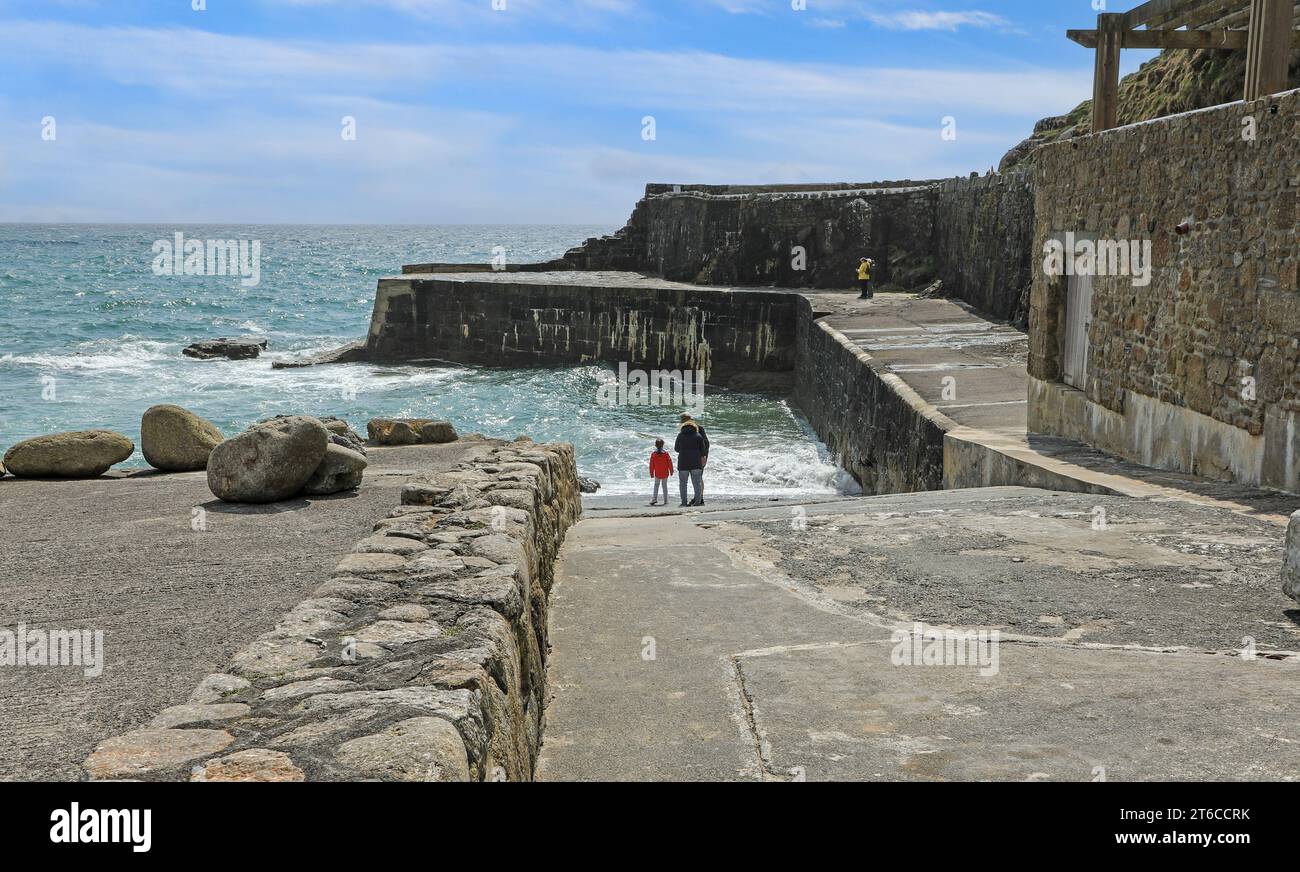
x: 760, y: 644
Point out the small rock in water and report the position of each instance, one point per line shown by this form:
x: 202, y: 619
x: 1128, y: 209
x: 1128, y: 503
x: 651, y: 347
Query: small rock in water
x: 340, y: 470
x: 174, y: 439
x: 231, y: 349
x: 268, y: 462
x: 80, y: 454
x: 588, y: 485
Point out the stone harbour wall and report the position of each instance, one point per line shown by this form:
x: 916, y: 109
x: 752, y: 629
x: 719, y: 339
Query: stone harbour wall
x: 748, y: 235
x: 1199, y: 370
x: 506, y: 321
x: 423, y: 658
x: 878, y: 428
x: 984, y: 243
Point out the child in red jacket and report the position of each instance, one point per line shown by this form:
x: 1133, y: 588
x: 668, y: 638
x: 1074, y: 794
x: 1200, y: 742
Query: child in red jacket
x: 661, y: 467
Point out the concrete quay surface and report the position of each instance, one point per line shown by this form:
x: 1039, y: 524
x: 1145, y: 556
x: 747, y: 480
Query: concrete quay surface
x: 120, y: 554
x: 757, y: 643
x: 970, y: 375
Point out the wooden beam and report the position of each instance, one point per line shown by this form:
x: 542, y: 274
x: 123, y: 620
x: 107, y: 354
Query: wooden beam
x: 1228, y: 40
x: 1105, y: 78
x: 1193, y: 15
x: 1268, y: 55
x: 1154, y: 10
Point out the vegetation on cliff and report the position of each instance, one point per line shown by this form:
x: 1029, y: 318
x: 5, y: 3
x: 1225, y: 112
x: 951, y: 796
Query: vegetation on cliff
x: 1174, y: 81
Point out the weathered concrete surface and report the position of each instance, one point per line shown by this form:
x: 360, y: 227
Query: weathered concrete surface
x: 772, y: 642
x: 969, y: 368
x: 120, y: 555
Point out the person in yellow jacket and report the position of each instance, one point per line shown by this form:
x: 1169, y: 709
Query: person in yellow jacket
x: 864, y: 278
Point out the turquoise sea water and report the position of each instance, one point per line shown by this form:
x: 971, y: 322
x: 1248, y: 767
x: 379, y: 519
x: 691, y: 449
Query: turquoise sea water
x: 91, y: 337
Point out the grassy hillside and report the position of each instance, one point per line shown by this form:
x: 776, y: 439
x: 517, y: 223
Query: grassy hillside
x: 1173, y: 82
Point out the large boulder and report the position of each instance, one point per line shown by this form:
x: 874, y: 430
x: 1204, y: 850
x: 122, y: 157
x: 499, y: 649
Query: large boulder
x: 268, y: 462
x: 410, y: 431
x: 341, y: 433
x: 1291, y: 560
x: 82, y: 454
x: 2, y: 470
x: 177, y: 440
x: 230, y: 349
x: 339, y: 471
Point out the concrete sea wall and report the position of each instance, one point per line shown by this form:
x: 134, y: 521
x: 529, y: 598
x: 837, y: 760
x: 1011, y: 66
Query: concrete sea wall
x: 496, y: 319
x: 1197, y: 369
x: 423, y: 658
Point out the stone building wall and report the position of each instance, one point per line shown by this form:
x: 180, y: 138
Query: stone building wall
x: 500, y: 320
x: 1197, y: 370
x: 984, y: 243
x: 423, y: 658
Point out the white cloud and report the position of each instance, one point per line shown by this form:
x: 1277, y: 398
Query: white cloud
x: 210, y: 65
x: 921, y: 20
x: 246, y: 129
x: 576, y: 12
x: 907, y: 19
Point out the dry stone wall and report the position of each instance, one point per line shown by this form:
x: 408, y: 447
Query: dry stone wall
x: 423, y: 658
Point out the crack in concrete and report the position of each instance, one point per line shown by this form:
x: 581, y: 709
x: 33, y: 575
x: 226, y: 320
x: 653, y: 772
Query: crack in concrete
x: 749, y: 712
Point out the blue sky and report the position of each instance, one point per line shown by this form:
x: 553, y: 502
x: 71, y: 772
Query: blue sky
x: 532, y: 113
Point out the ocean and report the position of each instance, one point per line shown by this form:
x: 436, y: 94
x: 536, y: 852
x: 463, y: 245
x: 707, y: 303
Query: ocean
x: 92, y: 337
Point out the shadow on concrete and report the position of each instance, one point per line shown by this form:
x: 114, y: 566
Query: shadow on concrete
x: 1262, y: 502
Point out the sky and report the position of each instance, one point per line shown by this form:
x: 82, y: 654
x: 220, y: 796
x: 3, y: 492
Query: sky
x: 504, y: 111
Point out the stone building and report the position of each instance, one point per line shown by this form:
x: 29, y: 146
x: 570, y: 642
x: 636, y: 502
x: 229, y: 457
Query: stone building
x: 1187, y: 358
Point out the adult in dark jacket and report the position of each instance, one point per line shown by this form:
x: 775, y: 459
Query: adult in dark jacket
x: 692, y: 447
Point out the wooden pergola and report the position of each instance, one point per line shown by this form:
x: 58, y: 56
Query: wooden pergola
x: 1266, y: 29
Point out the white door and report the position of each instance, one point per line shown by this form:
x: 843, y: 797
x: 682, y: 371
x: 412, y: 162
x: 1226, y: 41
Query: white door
x: 1078, y: 317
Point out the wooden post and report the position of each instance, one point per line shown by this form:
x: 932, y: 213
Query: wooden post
x: 1268, y: 49
x: 1105, y: 81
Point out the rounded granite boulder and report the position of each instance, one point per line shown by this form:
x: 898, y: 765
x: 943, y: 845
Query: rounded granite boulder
x: 410, y: 431
x: 269, y: 461
x: 174, y: 439
x: 80, y: 454
x: 437, y: 432
x: 395, y: 431
x: 340, y: 470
